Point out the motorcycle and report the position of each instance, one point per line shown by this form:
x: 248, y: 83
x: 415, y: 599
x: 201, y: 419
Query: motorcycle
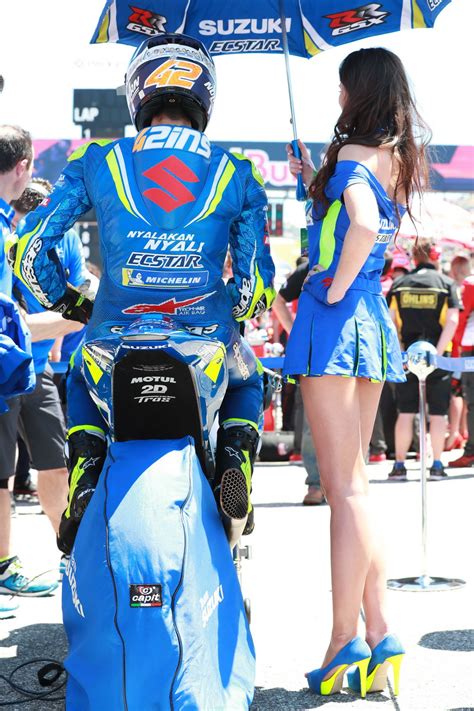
x: 152, y: 602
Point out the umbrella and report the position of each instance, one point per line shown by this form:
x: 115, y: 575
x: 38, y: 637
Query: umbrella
x: 303, y: 28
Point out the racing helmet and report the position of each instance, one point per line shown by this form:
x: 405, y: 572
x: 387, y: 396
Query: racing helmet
x: 169, y: 72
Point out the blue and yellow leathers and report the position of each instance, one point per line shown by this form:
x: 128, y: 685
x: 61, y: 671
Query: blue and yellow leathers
x: 168, y: 206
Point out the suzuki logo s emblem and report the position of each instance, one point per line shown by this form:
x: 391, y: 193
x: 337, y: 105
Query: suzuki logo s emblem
x: 170, y: 175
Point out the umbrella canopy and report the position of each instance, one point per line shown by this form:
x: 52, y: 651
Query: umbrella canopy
x: 245, y: 26
x: 303, y: 28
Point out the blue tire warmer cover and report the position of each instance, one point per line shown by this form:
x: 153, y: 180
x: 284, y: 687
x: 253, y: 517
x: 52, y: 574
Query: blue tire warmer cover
x: 152, y: 604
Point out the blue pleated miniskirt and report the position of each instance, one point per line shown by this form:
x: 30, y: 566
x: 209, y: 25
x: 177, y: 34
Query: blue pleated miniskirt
x: 354, y: 337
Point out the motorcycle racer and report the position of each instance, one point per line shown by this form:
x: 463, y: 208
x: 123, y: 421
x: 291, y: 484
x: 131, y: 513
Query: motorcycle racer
x: 169, y: 204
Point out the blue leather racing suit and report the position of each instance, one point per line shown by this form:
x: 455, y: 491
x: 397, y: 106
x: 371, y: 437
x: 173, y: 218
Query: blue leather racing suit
x: 168, y: 206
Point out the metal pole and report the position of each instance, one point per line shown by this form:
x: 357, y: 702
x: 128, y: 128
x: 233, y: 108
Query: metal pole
x: 286, y: 51
x: 424, y: 578
x: 419, y: 363
x: 300, y: 188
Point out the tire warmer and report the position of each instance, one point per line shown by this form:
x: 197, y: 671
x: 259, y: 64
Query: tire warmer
x: 151, y: 601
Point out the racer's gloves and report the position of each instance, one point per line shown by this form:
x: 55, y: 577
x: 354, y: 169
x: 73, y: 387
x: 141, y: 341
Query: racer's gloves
x: 243, y: 309
x: 75, y: 304
x: 263, y: 304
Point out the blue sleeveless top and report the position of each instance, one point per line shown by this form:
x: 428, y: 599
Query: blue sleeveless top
x: 326, y: 236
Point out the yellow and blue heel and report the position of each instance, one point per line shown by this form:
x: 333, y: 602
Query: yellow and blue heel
x: 388, y: 653
x: 329, y: 679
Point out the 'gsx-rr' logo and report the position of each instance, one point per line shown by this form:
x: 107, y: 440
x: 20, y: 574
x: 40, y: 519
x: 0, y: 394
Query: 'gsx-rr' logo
x: 360, y: 18
x: 146, y: 22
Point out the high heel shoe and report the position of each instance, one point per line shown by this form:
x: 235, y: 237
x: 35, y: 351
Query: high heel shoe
x: 388, y: 652
x: 456, y: 442
x: 355, y: 652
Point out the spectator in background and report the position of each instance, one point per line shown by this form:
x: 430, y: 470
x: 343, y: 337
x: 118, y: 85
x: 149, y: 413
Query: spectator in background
x: 289, y: 294
x: 425, y: 307
x: 37, y: 417
x: 401, y: 265
x: 24, y: 488
x: 71, y: 255
x: 16, y: 166
x: 386, y: 279
x: 397, y: 264
x: 460, y: 270
x: 378, y: 446
x: 291, y: 405
x: 464, y: 342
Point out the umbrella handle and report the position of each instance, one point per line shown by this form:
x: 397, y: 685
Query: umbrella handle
x: 300, y: 188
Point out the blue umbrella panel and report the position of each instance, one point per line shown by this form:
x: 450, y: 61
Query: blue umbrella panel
x: 247, y: 26
x: 303, y: 28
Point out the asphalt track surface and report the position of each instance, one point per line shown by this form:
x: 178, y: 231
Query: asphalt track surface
x: 288, y: 583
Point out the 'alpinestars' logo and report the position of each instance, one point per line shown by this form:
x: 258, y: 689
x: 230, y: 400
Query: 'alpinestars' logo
x: 360, y: 18
x: 171, y: 306
x: 233, y: 453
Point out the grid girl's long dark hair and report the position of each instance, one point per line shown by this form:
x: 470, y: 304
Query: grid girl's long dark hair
x: 379, y: 111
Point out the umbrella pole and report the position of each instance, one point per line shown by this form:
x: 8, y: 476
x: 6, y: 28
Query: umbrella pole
x: 300, y: 189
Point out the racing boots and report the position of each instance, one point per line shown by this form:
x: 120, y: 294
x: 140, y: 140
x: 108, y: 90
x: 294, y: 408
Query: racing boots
x: 235, y: 455
x: 85, y: 451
